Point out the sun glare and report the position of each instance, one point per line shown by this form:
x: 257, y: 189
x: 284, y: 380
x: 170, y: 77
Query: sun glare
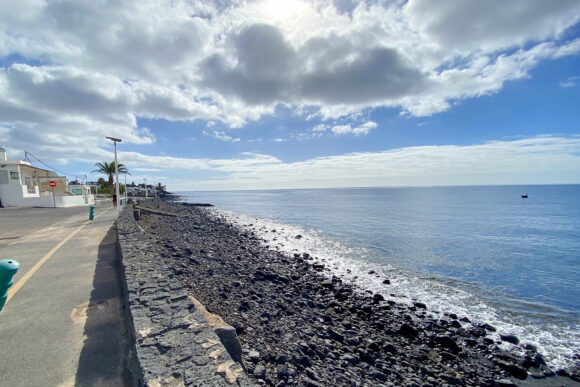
x: 282, y: 9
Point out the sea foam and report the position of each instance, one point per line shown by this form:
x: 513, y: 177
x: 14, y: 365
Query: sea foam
x: 559, y: 345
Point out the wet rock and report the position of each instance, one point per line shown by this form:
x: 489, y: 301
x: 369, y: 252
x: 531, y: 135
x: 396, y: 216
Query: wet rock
x: 487, y: 327
x: 514, y: 369
x: 530, y: 347
x: 327, y: 284
x: 510, y: 339
x: 506, y: 383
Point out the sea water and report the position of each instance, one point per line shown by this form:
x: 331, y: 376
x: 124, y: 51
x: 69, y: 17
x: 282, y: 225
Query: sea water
x: 484, y: 252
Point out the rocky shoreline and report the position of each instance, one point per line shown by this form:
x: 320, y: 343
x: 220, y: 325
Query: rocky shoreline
x: 297, y: 326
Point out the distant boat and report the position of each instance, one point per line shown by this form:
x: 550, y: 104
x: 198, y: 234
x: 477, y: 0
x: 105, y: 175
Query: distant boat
x: 525, y: 196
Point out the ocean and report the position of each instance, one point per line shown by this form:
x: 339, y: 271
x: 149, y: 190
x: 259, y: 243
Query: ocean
x: 483, y: 252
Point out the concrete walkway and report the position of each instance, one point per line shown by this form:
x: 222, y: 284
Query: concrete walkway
x: 63, y: 323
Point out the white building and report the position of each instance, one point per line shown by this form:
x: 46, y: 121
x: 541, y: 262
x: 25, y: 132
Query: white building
x: 23, y: 185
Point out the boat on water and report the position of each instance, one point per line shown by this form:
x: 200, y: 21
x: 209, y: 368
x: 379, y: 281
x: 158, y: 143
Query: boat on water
x: 524, y: 196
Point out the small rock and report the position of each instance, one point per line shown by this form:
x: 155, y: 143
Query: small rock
x: 335, y: 335
x: 488, y: 327
x: 374, y: 346
x: 407, y: 330
x: 379, y: 376
x: 305, y: 361
x: 530, y: 347
x: 510, y: 339
x: 327, y: 284
x: 448, y: 342
x: 506, y: 383
x: 283, y: 372
x: 515, y: 370
x: 260, y: 371
x: 254, y: 356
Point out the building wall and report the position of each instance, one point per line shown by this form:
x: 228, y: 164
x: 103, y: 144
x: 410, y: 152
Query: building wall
x: 13, y: 195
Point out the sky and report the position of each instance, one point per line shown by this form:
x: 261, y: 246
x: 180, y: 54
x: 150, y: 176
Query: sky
x: 270, y: 94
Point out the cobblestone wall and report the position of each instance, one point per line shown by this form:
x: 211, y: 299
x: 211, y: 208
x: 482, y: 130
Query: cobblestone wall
x: 172, y: 339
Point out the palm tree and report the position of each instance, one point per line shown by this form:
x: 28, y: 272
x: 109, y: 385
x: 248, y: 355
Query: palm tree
x: 101, y: 182
x: 108, y: 169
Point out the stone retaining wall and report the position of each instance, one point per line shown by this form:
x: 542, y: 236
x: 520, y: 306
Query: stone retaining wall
x: 173, y: 341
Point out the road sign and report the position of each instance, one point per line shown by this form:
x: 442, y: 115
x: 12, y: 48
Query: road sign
x: 52, y: 183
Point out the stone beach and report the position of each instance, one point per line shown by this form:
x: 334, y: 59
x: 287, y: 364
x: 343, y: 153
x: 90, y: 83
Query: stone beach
x: 299, y: 325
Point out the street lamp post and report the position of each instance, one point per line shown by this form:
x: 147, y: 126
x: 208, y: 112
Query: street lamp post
x: 125, y: 173
x: 115, y: 141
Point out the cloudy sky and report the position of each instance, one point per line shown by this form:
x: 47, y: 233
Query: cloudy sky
x: 295, y: 93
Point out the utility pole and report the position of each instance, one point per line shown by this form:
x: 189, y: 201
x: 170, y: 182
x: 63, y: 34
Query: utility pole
x: 145, y: 188
x: 115, y: 141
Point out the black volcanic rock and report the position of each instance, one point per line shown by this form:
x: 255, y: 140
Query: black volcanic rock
x: 309, y: 329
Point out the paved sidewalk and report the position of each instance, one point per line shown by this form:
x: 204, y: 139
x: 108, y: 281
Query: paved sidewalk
x: 63, y: 322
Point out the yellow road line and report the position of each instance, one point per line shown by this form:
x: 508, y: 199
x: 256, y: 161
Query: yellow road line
x: 38, y: 264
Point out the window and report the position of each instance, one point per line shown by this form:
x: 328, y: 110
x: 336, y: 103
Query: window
x: 14, y: 176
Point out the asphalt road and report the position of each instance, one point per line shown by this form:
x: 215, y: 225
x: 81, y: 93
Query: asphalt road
x: 63, y: 323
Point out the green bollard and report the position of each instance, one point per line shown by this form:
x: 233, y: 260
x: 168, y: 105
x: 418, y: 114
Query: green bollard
x: 8, y: 267
x: 91, y: 212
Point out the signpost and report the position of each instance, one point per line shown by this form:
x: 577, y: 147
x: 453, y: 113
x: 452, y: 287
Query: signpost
x: 52, y: 184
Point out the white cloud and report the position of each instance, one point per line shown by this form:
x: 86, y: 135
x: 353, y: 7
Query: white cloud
x: 78, y: 70
x: 341, y: 129
x: 235, y: 63
x: 363, y: 129
x: 526, y: 161
x: 570, y: 82
x: 535, y: 160
x: 138, y: 169
x: 222, y: 136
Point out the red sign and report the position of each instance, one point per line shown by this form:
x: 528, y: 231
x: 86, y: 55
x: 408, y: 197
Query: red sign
x: 52, y: 183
